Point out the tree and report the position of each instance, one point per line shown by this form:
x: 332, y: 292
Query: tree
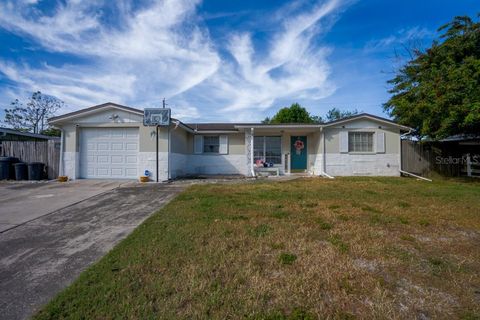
x: 337, y: 114
x: 298, y: 114
x: 437, y: 92
x: 293, y: 114
x: 50, y: 131
x: 32, y: 116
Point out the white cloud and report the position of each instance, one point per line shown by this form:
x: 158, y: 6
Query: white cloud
x: 163, y: 50
x: 401, y: 37
x: 293, y: 67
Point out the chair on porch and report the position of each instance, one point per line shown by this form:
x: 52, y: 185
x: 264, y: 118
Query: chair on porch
x: 261, y: 170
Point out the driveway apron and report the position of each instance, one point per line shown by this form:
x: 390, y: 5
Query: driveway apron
x: 41, y: 257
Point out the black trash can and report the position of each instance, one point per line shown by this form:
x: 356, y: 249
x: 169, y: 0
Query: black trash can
x: 12, y: 168
x: 21, y: 171
x: 35, y: 171
x: 6, y: 168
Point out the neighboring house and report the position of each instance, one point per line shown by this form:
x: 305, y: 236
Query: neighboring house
x: 110, y: 141
x: 7, y: 134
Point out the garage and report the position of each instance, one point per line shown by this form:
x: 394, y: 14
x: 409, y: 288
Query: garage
x: 109, y: 153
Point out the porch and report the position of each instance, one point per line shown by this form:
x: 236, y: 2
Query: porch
x: 283, y: 150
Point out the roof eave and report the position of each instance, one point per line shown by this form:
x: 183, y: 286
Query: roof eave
x: 214, y: 131
x: 278, y: 126
x: 83, y: 112
x: 368, y: 116
x: 28, y: 134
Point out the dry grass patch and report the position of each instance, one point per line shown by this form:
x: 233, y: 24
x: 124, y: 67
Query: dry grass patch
x: 304, y: 249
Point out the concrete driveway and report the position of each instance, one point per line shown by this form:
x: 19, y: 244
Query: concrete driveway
x: 42, y: 254
x: 26, y: 201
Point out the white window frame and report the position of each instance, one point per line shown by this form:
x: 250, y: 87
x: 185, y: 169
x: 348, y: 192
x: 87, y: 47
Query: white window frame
x: 370, y: 133
x: 199, y: 144
x: 205, y: 138
x: 264, y: 149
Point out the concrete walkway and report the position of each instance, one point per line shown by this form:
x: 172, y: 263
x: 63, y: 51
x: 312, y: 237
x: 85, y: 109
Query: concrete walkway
x: 41, y: 257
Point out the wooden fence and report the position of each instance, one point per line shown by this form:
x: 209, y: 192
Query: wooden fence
x: 47, y: 152
x: 446, y: 159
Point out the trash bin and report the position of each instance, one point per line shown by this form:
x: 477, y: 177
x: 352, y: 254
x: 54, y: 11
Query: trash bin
x: 35, y: 171
x: 6, y: 168
x: 21, y: 171
x: 12, y: 168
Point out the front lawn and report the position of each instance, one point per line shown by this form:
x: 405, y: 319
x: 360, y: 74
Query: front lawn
x: 310, y: 248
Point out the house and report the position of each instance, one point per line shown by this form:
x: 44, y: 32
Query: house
x: 110, y: 141
x: 7, y: 134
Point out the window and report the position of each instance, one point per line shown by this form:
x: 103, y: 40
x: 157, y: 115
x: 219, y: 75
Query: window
x: 268, y: 149
x: 258, y: 148
x: 211, y: 144
x: 360, y: 142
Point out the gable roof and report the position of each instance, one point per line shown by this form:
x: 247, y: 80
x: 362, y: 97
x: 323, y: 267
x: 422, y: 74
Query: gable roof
x: 366, y: 116
x: 327, y: 124
x: 227, y: 126
x: 93, y: 109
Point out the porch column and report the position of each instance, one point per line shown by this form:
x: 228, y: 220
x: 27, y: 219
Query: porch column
x: 249, y: 151
x: 252, y: 170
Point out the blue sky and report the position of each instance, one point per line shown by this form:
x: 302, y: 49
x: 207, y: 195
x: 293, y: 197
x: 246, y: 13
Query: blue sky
x: 214, y: 60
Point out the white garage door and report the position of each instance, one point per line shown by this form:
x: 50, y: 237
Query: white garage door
x: 109, y: 153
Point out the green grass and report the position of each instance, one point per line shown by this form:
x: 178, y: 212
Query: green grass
x: 339, y: 243
x: 303, y: 249
x: 287, y: 258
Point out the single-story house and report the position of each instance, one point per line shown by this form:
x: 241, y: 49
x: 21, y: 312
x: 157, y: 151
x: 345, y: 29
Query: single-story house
x: 110, y: 141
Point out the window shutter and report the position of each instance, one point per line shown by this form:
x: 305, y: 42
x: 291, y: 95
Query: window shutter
x: 198, y: 144
x: 343, y: 141
x: 223, y: 144
x: 380, y: 142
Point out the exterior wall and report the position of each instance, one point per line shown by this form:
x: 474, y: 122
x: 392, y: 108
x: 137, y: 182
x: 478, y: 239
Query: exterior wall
x: 392, y: 139
x: 105, y: 116
x: 183, y: 161
x: 235, y: 162
x: 179, y: 152
x: 178, y: 165
x: 352, y: 164
x: 313, y: 146
x: 147, y: 137
x: 179, y: 142
x: 236, y: 144
x: 71, y: 163
x: 362, y: 165
x: 70, y: 151
x: 217, y: 164
x: 147, y: 161
x: 70, y: 134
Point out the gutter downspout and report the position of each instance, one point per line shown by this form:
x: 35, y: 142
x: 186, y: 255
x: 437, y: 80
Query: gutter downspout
x: 324, y: 160
x: 61, y: 169
x: 156, y: 153
x: 252, y: 170
x: 168, y: 155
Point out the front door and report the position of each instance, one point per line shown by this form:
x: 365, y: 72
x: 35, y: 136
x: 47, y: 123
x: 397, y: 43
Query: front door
x: 298, y: 153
